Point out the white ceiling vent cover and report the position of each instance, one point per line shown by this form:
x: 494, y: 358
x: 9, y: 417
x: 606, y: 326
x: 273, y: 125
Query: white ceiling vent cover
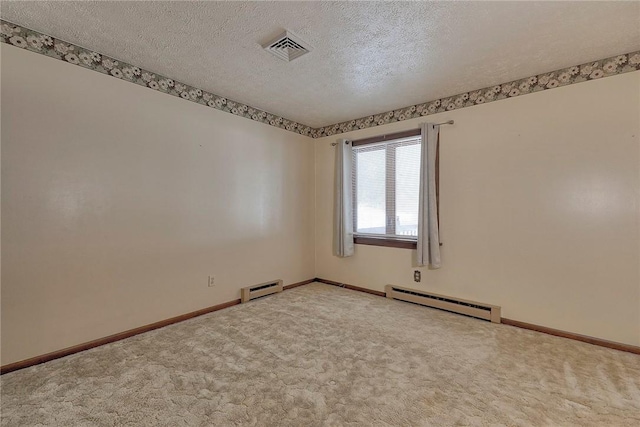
x: 287, y: 47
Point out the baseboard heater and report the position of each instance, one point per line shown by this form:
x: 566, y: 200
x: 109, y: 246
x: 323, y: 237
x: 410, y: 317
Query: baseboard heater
x: 455, y: 305
x: 263, y: 289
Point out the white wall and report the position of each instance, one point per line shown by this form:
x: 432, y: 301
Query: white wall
x: 540, y: 210
x: 118, y: 202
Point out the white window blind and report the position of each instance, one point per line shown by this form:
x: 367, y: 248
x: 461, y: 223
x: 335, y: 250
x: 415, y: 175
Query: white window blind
x: 386, y: 180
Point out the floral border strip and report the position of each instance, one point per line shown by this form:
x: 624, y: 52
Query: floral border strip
x: 34, y: 41
x: 579, y: 73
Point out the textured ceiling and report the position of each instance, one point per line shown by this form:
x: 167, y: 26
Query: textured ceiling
x: 367, y: 58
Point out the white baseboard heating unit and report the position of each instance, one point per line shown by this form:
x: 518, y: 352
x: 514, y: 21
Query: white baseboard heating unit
x: 257, y: 291
x: 443, y: 302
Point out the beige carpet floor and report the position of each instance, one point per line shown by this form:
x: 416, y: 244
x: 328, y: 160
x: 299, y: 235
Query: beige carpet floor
x: 319, y: 355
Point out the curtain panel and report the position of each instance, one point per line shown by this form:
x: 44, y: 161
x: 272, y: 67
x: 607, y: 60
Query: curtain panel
x: 343, y: 245
x: 428, y: 238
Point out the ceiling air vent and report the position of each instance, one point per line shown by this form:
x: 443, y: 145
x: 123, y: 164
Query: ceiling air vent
x: 287, y: 47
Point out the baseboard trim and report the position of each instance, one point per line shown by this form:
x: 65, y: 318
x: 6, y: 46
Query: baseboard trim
x: 556, y: 332
x: 353, y: 288
x: 122, y: 335
x: 295, y: 285
x: 150, y: 327
x: 578, y: 337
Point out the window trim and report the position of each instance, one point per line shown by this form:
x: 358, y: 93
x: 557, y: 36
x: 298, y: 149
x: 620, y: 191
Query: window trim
x: 385, y: 241
x: 394, y: 242
x: 387, y: 137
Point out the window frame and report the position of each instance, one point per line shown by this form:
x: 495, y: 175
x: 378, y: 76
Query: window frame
x: 381, y: 240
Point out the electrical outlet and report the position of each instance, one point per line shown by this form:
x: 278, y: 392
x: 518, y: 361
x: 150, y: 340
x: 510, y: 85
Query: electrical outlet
x: 211, y: 281
x: 417, y: 275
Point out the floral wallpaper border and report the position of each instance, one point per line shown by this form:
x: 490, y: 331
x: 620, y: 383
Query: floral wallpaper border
x: 576, y: 74
x: 34, y: 41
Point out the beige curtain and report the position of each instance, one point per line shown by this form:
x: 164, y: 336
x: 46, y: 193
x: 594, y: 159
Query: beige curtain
x: 343, y: 202
x: 428, y: 238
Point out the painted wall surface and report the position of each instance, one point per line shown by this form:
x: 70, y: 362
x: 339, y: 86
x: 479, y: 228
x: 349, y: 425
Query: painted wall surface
x: 118, y: 202
x: 540, y: 210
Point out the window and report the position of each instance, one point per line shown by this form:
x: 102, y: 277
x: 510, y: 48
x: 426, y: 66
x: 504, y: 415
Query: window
x: 386, y: 181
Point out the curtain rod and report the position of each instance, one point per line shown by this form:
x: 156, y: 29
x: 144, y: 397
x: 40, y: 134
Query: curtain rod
x: 448, y: 122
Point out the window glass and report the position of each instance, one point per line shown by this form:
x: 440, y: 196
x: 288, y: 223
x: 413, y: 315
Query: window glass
x: 407, y: 187
x: 386, y: 180
x: 371, y: 192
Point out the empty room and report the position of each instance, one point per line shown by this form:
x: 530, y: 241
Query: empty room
x: 345, y: 213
